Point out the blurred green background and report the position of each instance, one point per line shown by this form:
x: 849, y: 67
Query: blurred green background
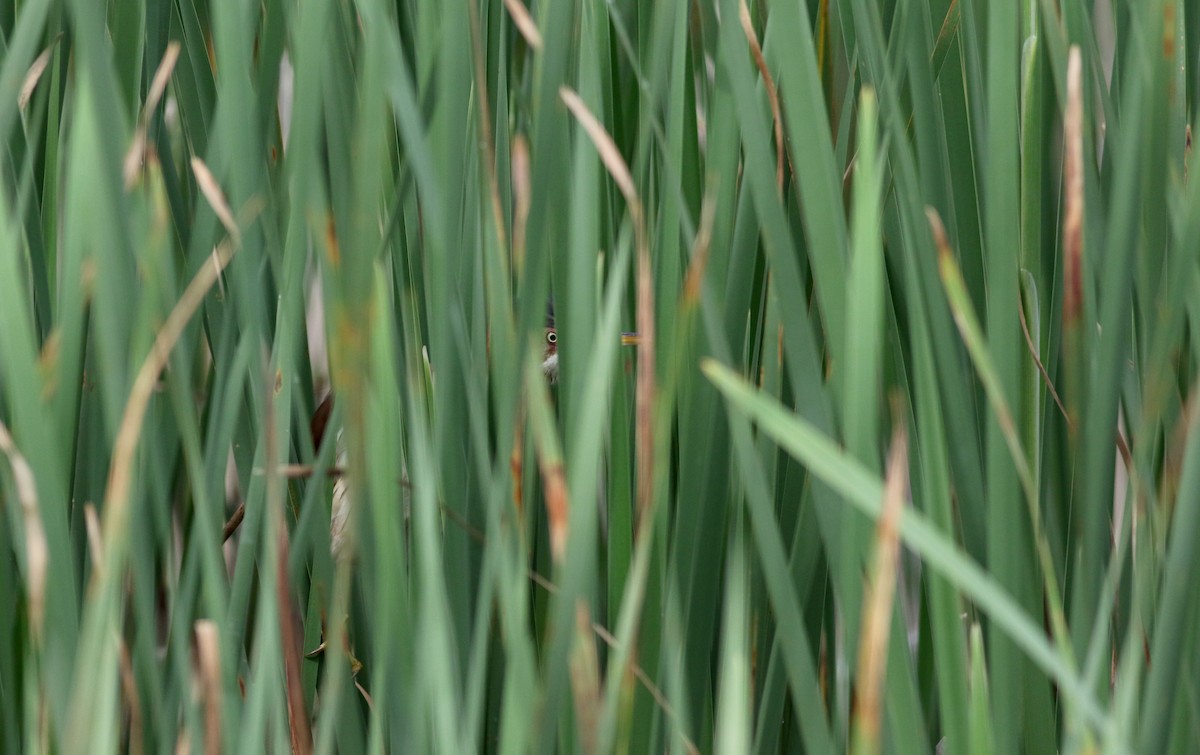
x: 906, y: 460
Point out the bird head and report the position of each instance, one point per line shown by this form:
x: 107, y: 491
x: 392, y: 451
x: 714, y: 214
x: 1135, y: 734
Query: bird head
x: 550, y: 346
x: 550, y: 354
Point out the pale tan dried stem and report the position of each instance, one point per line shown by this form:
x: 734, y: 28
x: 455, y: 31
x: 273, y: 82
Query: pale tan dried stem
x: 769, y: 82
x: 37, y: 551
x: 878, y: 600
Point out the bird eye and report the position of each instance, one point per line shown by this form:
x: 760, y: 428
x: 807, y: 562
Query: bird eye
x: 551, y: 337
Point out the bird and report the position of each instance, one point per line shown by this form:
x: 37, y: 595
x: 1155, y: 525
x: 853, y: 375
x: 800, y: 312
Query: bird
x: 342, y: 500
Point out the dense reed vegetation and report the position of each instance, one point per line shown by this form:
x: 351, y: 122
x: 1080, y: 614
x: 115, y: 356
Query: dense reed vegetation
x: 907, y: 456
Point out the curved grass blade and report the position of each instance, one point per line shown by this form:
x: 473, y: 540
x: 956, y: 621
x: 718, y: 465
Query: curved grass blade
x: 865, y: 492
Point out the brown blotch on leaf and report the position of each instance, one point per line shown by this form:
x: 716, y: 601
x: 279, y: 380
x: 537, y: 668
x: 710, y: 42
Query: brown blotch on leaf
x: 1073, y: 188
x: 516, y: 465
x: 557, y: 508
x: 332, y: 252
x: 1169, y: 31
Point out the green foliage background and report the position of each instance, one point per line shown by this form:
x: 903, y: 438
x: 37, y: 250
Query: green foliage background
x: 672, y: 548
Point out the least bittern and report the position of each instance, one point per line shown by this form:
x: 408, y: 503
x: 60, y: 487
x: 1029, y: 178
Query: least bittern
x: 340, y: 509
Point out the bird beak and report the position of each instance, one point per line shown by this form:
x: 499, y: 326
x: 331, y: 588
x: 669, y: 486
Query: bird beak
x: 630, y: 339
